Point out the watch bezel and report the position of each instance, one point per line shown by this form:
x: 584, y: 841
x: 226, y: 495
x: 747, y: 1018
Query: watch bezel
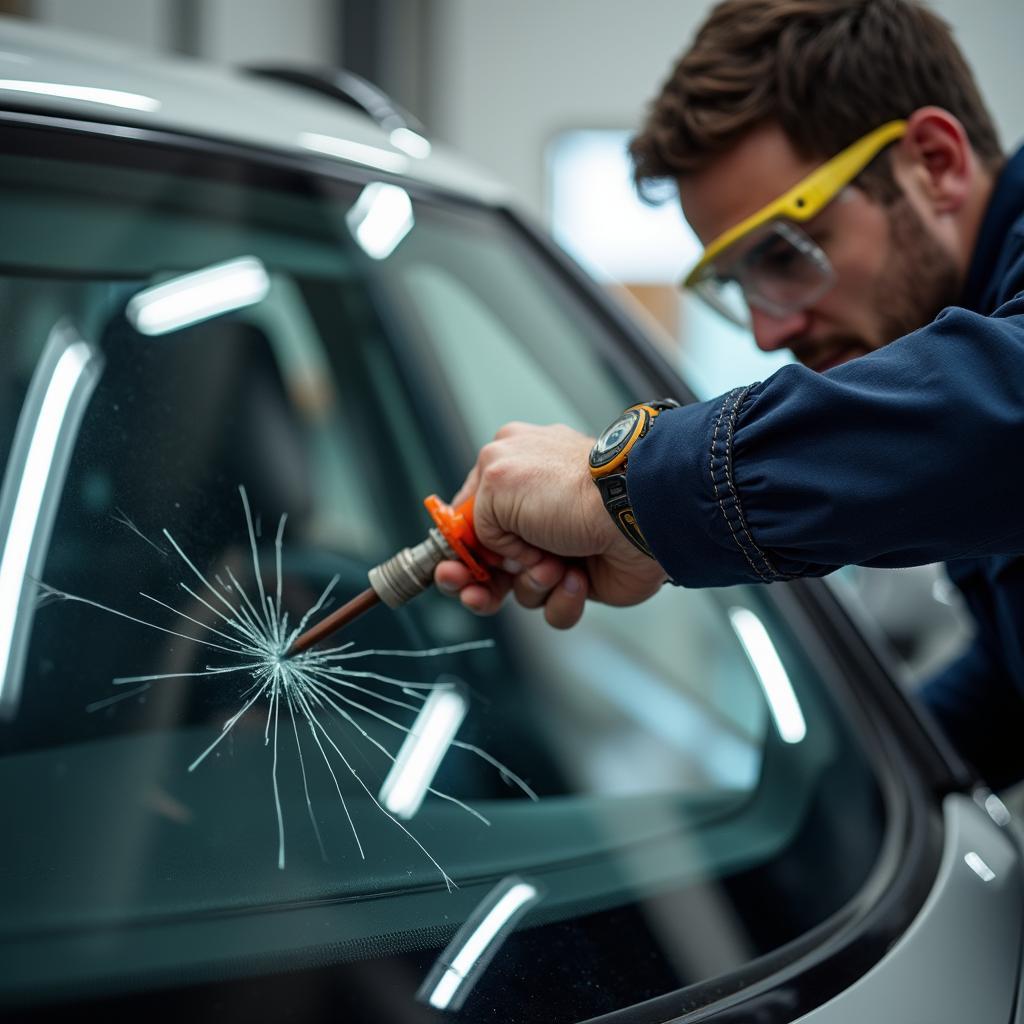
x: 602, y: 462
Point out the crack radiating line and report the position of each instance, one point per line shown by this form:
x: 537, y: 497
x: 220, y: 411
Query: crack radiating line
x: 314, y: 686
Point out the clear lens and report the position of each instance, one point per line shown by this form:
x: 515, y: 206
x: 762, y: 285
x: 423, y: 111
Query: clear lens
x: 725, y: 296
x: 785, y: 271
x: 780, y: 270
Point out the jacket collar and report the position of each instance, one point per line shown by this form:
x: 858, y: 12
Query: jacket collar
x: 1005, y: 206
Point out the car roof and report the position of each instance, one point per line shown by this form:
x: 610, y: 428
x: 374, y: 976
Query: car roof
x: 86, y: 78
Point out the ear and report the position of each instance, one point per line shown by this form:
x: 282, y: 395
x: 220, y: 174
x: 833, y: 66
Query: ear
x: 936, y: 160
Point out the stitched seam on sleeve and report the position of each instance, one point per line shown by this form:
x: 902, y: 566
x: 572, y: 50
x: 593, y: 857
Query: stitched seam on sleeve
x: 737, y: 405
x: 722, y: 481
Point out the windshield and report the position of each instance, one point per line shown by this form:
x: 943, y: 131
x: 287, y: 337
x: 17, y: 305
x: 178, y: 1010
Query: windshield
x: 226, y: 390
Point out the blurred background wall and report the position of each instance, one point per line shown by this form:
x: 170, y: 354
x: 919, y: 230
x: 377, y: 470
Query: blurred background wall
x: 512, y: 75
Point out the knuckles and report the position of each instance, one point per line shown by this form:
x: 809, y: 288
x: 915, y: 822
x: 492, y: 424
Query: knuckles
x: 494, y: 472
x: 510, y: 429
x: 489, y: 453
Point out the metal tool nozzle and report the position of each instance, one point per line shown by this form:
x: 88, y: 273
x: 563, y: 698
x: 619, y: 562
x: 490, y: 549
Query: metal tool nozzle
x: 411, y: 571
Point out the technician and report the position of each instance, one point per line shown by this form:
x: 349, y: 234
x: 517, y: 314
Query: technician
x: 838, y: 164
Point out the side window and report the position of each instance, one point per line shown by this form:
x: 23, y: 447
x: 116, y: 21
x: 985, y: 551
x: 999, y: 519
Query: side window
x: 467, y: 335
x: 663, y: 688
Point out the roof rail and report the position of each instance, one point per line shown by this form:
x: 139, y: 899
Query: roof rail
x: 348, y: 88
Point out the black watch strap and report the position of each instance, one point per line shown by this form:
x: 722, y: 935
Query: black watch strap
x: 616, y: 500
x: 612, y: 482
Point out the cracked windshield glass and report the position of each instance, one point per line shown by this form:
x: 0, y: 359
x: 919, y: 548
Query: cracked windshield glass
x: 227, y: 388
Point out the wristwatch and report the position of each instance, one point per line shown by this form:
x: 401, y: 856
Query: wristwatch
x: 608, y: 460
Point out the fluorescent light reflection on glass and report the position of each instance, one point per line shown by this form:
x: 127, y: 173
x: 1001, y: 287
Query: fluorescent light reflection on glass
x: 778, y: 690
x: 358, y: 152
x: 979, y: 867
x: 380, y: 218
x: 422, y: 751
x: 86, y: 93
x: 60, y: 386
x: 465, y: 958
x: 997, y: 810
x: 192, y: 298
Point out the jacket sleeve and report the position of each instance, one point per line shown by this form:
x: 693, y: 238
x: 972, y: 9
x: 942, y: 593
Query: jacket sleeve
x: 909, y: 455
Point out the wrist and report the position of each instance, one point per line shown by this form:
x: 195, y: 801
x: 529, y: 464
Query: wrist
x: 608, y: 462
x: 593, y: 512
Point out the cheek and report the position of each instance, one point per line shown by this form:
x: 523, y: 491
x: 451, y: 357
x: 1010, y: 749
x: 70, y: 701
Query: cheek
x: 858, y: 275
x: 859, y: 256
x: 862, y: 241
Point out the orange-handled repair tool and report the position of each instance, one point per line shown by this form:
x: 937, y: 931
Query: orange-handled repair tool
x: 411, y: 571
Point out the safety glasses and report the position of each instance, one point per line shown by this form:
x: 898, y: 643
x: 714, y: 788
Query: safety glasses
x: 768, y: 261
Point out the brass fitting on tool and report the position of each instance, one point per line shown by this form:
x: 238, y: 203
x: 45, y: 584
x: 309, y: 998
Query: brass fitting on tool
x: 411, y: 571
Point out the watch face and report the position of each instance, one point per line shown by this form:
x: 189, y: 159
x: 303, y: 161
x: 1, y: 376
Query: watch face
x: 612, y: 441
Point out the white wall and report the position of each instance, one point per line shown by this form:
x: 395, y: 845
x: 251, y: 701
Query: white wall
x: 241, y: 31
x: 990, y: 33
x: 508, y: 76
x: 140, y: 23
x: 227, y: 31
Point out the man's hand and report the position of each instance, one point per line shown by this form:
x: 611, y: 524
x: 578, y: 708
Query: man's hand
x: 538, y: 509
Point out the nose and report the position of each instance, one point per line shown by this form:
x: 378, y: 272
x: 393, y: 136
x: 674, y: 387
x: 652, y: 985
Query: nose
x: 774, y: 332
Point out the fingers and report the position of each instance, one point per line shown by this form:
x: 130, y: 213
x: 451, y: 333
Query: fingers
x: 533, y: 585
x: 517, y: 555
x: 561, y: 591
x: 453, y: 578
x: 564, y: 606
x: 486, y: 598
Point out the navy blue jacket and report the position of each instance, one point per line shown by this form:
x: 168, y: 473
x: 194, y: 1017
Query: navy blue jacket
x: 908, y: 455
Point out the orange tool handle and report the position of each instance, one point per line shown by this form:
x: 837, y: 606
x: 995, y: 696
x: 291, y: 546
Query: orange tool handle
x: 456, y: 526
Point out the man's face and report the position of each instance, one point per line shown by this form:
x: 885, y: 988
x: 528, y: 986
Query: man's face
x: 892, y: 275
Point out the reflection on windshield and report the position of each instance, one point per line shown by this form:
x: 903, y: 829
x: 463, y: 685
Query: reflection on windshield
x: 61, y: 386
x: 422, y: 751
x: 255, y: 633
x: 466, y: 957
x: 380, y: 218
x: 771, y: 674
x: 203, y: 294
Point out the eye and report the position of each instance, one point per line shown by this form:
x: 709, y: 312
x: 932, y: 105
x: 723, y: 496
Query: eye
x: 774, y: 256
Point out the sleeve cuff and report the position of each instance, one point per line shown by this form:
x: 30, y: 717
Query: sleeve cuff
x: 683, y: 490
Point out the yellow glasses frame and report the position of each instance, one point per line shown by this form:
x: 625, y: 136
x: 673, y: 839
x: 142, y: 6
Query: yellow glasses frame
x: 807, y: 197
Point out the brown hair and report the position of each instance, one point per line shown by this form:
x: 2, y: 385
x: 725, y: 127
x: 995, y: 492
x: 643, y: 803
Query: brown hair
x: 827, y: 71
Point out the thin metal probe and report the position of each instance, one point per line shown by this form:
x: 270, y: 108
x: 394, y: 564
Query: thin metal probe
x: 336, y: 620
x: 395, y: 581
